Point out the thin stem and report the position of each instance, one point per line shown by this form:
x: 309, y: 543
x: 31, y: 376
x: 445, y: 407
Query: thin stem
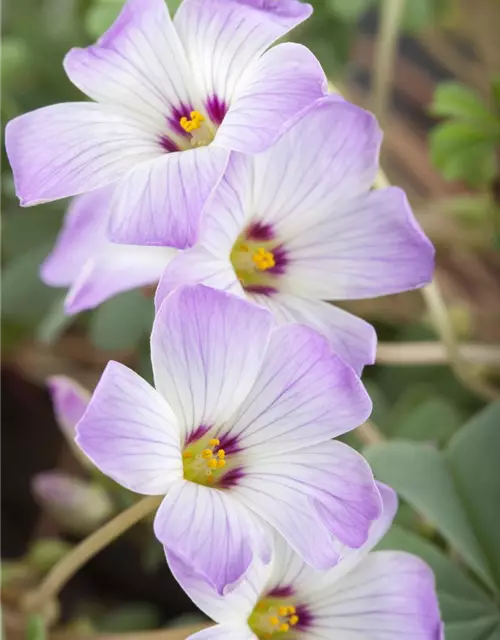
x: 434, y: 353
x: 77, y: 557
x: 390, y: 19
x: 463, y: 370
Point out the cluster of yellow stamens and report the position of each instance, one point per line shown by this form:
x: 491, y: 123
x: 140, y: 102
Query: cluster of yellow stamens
x: 196, y: 121
x: 270, y: 618
x: 261, y: 258
x: 205, y: 462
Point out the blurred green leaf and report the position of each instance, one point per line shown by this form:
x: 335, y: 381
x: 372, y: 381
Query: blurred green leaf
x: 44, y: 553
x: 474, y: 458
x: 35, y: 629
x: 25, y: 298
x: 434, y: 420
x: 461, y: 151
x: 452, y: 99
x: 122, y: 322
x: 420, y: 475
x: 495, y: 92
x: 349, y: 10
x: 101, y: 16
x: 136, y: 616
x: 54, y: 322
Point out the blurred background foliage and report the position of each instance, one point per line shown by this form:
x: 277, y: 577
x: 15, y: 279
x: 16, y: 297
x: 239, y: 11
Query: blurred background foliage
x: 437, y: 442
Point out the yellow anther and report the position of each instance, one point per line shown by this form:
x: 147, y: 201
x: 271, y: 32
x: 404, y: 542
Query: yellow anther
x: 212, y: 463
x: 284, y: 627
x: 187, y: 454
x: 292, y: 610
x: 221, y: 453
x: 244, y: 248
x: 220, y: 463
x: 274, y: 620
x: 283, y: 611
x: 195, y: 123
x: 207, y: 454
x: 294, y: 620
x: 214, y: 442
x: 263, y: 259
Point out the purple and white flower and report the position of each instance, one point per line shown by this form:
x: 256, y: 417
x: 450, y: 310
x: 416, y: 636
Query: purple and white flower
x: 382, y: 595
x: 300, y: 224
x: 237, y: 434
x: 171, y: 100
x: 93, y: 267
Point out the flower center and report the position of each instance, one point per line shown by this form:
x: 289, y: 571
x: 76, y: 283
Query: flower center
x: 203, y: 463
x: 272, y: 616
x: 258, y: 259
x: 201, y: 132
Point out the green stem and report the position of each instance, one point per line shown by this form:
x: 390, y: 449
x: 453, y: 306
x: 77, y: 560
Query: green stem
x: 77, y: 557
x: 391, y: 14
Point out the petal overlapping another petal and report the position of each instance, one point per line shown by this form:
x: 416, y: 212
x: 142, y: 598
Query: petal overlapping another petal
x: 67, y: 149
x: 212, y: 531
x: 130, y: 433
x: 304, y: 394
x: 207, y: 349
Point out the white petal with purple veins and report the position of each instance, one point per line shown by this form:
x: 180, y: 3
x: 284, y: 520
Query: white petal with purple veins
x: 130, y: 433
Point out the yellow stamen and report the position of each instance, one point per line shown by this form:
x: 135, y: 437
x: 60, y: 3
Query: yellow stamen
x: 292, y: 610
x: 263, y: 259
x: 214, y: 442
x: 274, y: 620
x: 221, y: 453
x: 284, y: 627
x: 207, y: 454
x: 294, y: 620
x: 283, y: 611
x: 212, y: 463
x: 220, y: 463
x: 195, y: 123
x: 187, y: 454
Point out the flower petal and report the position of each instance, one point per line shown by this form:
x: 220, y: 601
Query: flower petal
x: 332, y: 478
x: 225, y: 632
x: 328, y: 157
x: 70, y: 401
x: 388, y: 595
x: 160, y: 202
x: 207, y: 348
x: 232, y: 607
x: 83, y: 235
x: 304, y: 394
x: 130, y: 433
x: 139, y: 65
x: 197, y: 266
x: 350, y: 337
x: 371, y: 246
x: 222, y: 37
x: 67, y: 149
x: 209, y: 530
x: 116, y: 269
x: 275, y: 90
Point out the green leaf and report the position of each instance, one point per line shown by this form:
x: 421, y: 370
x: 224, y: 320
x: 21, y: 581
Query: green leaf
x: 474, y: 459
x: 36, y: 629
x: 452, y: 99
x: 349, y: 10
x: 495, y: 93
x: 461, y: 151
x: 417, y: 15
x: 419, y: 474
x: 101, y: 16
x: 434, y: 420
x: 122, y: 322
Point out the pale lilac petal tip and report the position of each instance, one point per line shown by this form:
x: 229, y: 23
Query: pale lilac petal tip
x: 70, y: 402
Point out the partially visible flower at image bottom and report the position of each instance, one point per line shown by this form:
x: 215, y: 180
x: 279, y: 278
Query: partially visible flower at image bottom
x: 300, y: 225
x: 172, y: 100
x: 94, y: 268
x: 381, y: 595
x: 237, y: 434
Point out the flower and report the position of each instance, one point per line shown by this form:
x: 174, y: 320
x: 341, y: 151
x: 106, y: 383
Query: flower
x: 172, y: 99
x: 94, y: 268
x: 70, y: 400
x: 373, y: 596
x: 300, y: 224
x: 77, y: 505
x: 237, y: 433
